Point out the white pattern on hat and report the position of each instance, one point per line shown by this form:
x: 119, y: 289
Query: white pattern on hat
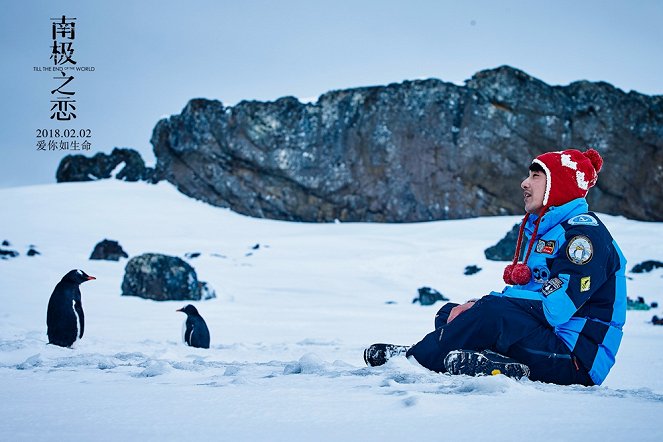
x: 566, y: 161
x: 580, y: 179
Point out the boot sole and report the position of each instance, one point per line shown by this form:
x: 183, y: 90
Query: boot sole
x: 473, y: 363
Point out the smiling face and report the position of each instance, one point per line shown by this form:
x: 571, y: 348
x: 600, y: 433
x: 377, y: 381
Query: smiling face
x: 534, y: 189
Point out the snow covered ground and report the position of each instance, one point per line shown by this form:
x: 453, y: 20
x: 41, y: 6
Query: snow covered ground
x: 288, y: 328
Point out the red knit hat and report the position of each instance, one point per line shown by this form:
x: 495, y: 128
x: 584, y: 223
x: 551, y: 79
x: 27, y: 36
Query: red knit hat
x: 569, y: 175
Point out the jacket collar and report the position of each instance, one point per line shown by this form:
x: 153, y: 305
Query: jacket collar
x: 557, y: 215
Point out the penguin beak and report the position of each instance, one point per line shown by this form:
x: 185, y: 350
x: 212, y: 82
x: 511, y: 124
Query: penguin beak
x: 89, y: 278
x: 179, y: 310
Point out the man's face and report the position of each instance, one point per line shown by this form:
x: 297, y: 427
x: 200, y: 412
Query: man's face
x: 534, y: 189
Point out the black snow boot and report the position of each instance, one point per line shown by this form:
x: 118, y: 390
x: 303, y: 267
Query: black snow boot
x: 484, y: 363
x: 379, y: 354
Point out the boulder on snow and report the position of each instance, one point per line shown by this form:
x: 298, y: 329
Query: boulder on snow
x: 32, y: 251
x: 646, y: 266
x: 471, y: 270
x: 636, y: 304
x: 6, y: 253
x: 163, y: 278
x: 108, y: 250
x: 428, y: 296
x: 503, y: 250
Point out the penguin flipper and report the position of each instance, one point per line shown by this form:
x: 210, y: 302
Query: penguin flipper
x: 188, y: 332
x: 81, y: 317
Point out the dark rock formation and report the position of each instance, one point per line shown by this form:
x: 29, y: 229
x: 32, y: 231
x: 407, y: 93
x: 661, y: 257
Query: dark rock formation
x: 108, y: 250
x: 505, y: 247
x: 428, y: 296
x: 471, y: 270
x: 6, y: 253
x: 637, y: 304
x: 101, y: 166
x: 414, y: 151
x: 646, y: 266
x: 162, y: 278
x: 32, y: 251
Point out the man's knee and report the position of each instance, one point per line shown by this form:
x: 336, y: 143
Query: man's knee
x: 491, y: 304
x: 443, y: 314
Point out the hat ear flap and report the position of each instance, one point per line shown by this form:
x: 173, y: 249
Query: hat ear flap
x: 546, y: 170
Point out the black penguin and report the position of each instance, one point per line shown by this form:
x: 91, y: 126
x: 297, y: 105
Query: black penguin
x: 64, y: 318
x: 196, y: 333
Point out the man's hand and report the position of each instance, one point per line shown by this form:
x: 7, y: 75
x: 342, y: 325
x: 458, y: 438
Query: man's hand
x: 458, y: 310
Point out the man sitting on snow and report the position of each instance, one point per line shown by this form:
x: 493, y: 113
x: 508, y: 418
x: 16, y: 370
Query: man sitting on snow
x: 560, y: 319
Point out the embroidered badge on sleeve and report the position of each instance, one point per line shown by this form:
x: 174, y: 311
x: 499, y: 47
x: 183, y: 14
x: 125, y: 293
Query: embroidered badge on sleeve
x: 585, y: 283
x: 583, y: 220
x: 551, y: 286
x: 547, y: 247
x: 579, y: 250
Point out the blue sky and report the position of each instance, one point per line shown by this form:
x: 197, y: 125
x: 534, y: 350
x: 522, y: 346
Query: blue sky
x: 151, y: 57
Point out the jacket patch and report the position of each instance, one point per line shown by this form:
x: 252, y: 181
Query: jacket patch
x: 583, y: 220
x: 540, y: 274
x: 547, y: 247
x: 585, y: 283
x: 580, y: 250
x: 551, y: 286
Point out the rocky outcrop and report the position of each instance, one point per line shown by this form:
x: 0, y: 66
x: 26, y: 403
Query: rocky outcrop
x: 163, y: 278
x: 414, y: 151
x: 122, y: 163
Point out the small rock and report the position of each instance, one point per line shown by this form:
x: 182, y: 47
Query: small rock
x: 192, y: 255
x: 108, y: 250
x: 428, y: 296
x: 646, y: 266
x: 471, y: 270
x: 638, y: 304
x: 6, y: 254
x: 32, y: 251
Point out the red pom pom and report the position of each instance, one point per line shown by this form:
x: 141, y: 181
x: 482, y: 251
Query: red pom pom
x: 507, y: 274
x: 595, y: 159
x: 521, y: 274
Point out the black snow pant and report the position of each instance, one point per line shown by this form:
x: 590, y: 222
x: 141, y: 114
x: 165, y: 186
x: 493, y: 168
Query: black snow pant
x: 516, y: 328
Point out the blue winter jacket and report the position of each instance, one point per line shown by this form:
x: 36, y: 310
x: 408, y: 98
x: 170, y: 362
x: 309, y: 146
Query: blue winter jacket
x: 578, y: 275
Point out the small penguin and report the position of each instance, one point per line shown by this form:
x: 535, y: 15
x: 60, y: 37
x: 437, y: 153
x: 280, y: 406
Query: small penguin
x: 65, y: 320
x: 195, y: 330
